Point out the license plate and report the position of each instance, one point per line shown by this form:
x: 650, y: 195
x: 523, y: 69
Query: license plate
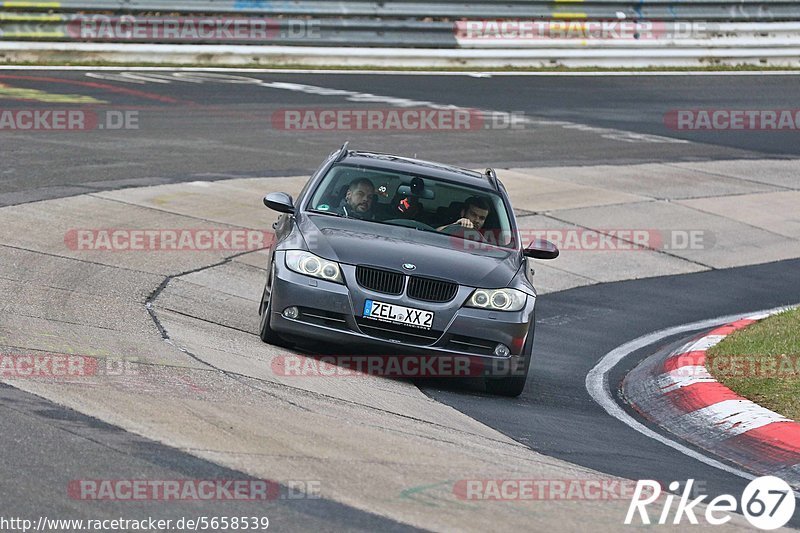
x: 397, y: 314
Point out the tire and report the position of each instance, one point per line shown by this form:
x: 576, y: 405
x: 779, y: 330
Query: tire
x: 265, y: 331
x: 513, y: 386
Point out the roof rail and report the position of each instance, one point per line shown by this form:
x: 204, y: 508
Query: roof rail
x: 342, y: 152
x: 491, y: 175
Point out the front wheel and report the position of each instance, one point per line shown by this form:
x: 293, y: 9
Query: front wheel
x: 511, y: 386
x: 265, y: 330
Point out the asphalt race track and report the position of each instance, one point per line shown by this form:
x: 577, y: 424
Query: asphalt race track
x: 555, y: 414
x: 193, y: 129
x: 224, y: 129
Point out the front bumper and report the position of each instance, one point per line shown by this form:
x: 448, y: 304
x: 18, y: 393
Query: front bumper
x: 332, y: 313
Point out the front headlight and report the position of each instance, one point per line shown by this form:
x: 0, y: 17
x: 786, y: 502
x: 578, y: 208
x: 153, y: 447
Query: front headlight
x: 497, y: 299
x: 311, y: 265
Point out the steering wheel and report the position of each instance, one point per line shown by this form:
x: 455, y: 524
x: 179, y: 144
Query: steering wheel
x: 467, y: 234
x: 409, y: 223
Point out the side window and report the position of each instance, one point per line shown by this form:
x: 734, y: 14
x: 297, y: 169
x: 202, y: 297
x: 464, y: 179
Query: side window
x: 325, y: 191
x: 499, y: 224
x: 304, y: 190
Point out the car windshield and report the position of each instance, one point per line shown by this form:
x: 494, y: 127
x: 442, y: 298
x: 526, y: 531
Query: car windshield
x: 414, y: 200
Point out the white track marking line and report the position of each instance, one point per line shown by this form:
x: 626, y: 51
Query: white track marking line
x: 597, y: 384
x: 492, y: 116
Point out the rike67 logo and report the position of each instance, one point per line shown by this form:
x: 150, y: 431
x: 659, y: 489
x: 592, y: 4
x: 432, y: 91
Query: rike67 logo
x: 767, y: 503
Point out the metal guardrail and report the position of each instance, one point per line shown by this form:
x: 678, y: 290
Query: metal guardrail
x: 733, y: 53
x: 708, y: 10
x: 245, y: 30
x: 344, y: 32
x: 241, y: 30
x: 382, y: 32
x: 347, y: 32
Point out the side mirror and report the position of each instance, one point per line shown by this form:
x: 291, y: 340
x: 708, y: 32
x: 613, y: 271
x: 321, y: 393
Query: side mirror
x: 541, y: 249
x: 280, y: 202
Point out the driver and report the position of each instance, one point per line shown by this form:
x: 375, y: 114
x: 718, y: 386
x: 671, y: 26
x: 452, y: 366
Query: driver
x: 359, y: 200
x: 474, y: 213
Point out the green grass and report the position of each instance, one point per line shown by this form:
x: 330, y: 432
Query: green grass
x: 762, y: 363
x: 708, y: 68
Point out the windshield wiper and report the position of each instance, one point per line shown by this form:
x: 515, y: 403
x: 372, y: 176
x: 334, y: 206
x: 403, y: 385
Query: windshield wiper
x: 394, y: 225
x: 329, y: 213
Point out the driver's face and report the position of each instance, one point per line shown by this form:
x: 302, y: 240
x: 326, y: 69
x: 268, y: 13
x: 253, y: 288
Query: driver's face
x: 360, y: 199
x: 475, y: 215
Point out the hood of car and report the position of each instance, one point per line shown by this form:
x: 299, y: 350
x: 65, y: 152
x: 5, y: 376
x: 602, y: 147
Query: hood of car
x: 357, y: 242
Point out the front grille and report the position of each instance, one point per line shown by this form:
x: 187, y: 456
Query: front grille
x: 377, y: 280
x: 431, y: 290
x: 398, y: 332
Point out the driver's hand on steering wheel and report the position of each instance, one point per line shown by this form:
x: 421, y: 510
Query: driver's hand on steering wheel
x: 464, y: 222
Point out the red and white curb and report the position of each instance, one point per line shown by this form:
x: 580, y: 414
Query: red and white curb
x: 675, y: 391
